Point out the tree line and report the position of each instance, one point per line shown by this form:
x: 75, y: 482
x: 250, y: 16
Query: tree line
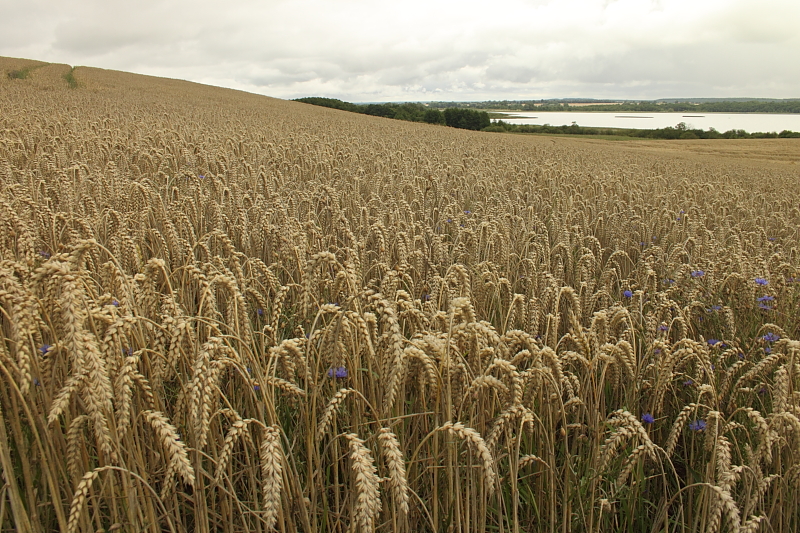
x: 471, y: 119
x: 783, y: 106
x: 738, y: 106
x: 468, y: 119
x: 681, y: 131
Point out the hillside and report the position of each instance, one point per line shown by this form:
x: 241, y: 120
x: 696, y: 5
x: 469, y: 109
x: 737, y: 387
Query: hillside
x: 228, y: 312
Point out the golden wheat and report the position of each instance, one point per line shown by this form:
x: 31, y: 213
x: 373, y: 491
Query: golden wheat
x: 181, y: 264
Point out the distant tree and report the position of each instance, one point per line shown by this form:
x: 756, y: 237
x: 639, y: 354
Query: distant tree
x: 467, y: 119
x: 329, y: 102
x: 402, y: 114
x: 433, y: 116
x: 454, y: 117
x: 379, y: 110
x: 415, y: 112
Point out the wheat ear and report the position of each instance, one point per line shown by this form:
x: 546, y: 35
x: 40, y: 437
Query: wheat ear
x: 237, y: 430
x: 368, y: 499
x: 330, y: 410
x: 271, y: 474
x: 176, y: 450
x: 478, y: 445
x: 393, y: 456
x: 79, y: 500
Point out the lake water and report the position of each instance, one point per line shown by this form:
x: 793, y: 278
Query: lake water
x: 750, y: 122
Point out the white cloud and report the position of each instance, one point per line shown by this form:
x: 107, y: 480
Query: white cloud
x: 363, y: 50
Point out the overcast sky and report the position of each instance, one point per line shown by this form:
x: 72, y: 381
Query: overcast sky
x: 418, y: 50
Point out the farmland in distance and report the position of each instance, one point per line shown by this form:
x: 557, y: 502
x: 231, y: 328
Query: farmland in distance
x: 227, y: 312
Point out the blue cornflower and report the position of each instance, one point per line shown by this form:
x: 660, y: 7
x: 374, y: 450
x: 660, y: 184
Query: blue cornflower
x: 771, y: 337
x: 678, y: 219
x: 714, y: 342
x: 771, y: 239
x: 762, y: 281
x: 663, y: 327
x: 688, y: 383
x: 426, y: 297
x: 43, y: 348
x: 627, y: 294
x: 467, y: 212
x: 714, y: 308
x: 698, y: 273
x: 765, y: 307
x: 36, y: 382
x: 128, y: 351
x: 768, y: 350
x: 647, y: 418
x: 740, y: 355
x: 765, y: 298
x: 256, y: 387
x: 339, y: 372
x: 642, y: 244
x: 697, y: 425
x: 44, y: 254
x: 115, y: 302
x: 201, y: 177
x: 260, y: 311
x: 449, y: 220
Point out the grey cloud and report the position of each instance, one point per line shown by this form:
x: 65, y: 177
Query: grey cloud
x: 515, y: 73
x: 97, y: 40
x: 364, y: 50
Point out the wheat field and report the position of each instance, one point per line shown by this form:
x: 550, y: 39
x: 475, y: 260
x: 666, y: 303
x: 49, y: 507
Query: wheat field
x: 226, y: 312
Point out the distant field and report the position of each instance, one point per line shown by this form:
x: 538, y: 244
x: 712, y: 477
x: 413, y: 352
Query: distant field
x: 227, y: 312
x: 571, y: 104
x: 584, y: 104
x: 761, y: 153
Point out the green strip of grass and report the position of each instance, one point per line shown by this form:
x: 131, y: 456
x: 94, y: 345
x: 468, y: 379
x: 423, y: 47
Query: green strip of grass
x: 70, y: 77
x: 573, y: 136
x: 20, y: 74
x: 25, y: 72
